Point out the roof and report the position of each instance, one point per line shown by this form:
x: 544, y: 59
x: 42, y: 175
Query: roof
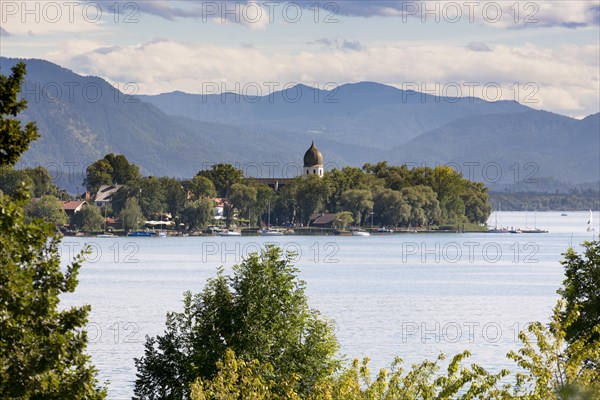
x: 73, y: 205
x: 313, y: 156
x: 324, y: 219
x: 105, y: 192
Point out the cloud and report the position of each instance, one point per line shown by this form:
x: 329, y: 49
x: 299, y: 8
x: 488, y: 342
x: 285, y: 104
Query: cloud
x: 107, y: 50
x: 339, y: 44
x: 564, y: 13
x: 251, y: 13
x: 562, y: 79
x: 352, y: 45
x: 478, y: 46
x: 46, y: 17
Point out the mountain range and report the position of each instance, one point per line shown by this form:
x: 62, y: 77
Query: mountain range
x: 82, y: 118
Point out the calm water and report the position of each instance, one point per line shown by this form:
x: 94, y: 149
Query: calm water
x: 409, y: 295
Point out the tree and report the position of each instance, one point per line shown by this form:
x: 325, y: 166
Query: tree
x: 201, y: 186
x: 261, y: 312
x: 223, y: 176
x: 358, y: 202
x: 553, y: 368
x: 112, y: 169
x: 11, y: 180
x: 14, y: 141
x: 42, y: 348
x: 240, y: 379
x: 98, y: 174
x: 174, y: 195
x: 424, y: 207
x: 390, y: 208
x: 339, y: 181
x: 88, y: 219
x: 311, y: 195
x: 49, y: 209
x: 343, y: 220
x: 581, y: 293
x: 151, y: 196
x: 43, y: 183
x: 476, y: 200
x: 131, y: 215
x: 198, y: 214
x: 265, y: 197
x: 122, y: 170
x: 243, y: 199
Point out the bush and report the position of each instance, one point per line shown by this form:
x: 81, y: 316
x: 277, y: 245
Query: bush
x: 261, y: 313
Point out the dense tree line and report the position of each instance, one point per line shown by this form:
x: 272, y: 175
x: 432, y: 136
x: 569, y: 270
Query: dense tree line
x: 386, y: 195
x: 393, y: 196
x: 576, y: 201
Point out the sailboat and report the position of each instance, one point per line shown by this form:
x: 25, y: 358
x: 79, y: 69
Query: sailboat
x: 162, y: 233
x: 496, y: 229
x: 104, y: 234
x: 535, y: 228
x: 590, y: 222
x: 269, y: 231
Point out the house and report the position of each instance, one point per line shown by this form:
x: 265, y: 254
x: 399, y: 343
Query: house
x: 73, y: 206
x: 105, y: 193
x: 219, y: 207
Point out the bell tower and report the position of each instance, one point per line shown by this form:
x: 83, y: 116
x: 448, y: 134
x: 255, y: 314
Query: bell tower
x: 313, y: 161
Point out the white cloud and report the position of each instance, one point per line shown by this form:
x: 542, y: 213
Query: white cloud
x: 567, y: 13
x: 564, y: 80
x: 501, y: 14
x: 46, y: 17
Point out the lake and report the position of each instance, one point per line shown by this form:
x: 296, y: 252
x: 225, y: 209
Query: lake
x: 407, y: 295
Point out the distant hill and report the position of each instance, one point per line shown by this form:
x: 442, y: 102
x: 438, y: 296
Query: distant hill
x: 526, y: 146
x: 83, y: 118
x: 177, y: 134
x: 370, y: 115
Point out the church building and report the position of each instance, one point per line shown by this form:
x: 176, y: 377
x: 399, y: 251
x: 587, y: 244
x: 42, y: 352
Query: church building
x: 313, y: 165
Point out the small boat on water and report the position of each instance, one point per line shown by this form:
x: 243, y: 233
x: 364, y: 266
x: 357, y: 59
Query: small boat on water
x: 385, y: 230
x: 563, y: 215
x: 140, y: 234
x: 590, y: 227
x: 162, y: 234
x: 106, y: 235
x: 228, y: 233
x: 534, y: 230
x: 360, y: 233
x: 270, y: 232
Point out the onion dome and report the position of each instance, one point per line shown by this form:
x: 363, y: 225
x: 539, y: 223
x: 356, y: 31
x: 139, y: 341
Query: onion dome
x: 313, y: 156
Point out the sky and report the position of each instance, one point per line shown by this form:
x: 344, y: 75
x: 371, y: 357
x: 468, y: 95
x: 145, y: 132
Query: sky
x: 545, y: 54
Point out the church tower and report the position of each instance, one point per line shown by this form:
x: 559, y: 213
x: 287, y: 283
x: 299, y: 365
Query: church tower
x: 313, y: 161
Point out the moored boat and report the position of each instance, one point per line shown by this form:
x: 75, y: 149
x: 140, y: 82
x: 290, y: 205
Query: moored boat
x: 140, y: 234
x: 270, y: 232
x: 229, y: 233
x: 106, y: 235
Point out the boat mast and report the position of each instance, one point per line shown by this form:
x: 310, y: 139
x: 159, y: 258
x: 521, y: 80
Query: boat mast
x: 105, y: 218
x: 269, y: 217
